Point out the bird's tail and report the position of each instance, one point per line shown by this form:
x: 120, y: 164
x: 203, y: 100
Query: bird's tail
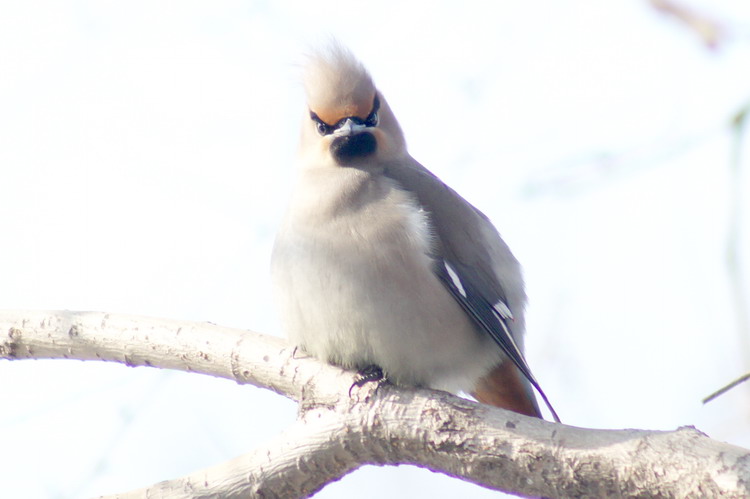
x: 507, y: 388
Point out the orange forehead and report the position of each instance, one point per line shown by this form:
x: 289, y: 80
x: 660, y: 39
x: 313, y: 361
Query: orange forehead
x: 334, y: 113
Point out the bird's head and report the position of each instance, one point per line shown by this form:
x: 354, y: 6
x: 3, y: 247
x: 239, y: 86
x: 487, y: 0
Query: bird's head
x: 348, y: 122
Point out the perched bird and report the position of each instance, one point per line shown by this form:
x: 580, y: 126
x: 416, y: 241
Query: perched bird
x: 379, y: 263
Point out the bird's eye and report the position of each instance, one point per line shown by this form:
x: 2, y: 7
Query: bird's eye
x: 372, y: 120
x: 322, y: 127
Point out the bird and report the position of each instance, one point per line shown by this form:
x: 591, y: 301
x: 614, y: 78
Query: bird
x: 380, y: 267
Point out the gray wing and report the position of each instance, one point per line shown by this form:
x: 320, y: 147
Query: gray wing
x: 473, y: 262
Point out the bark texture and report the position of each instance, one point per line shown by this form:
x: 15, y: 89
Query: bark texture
x: 337, y: 433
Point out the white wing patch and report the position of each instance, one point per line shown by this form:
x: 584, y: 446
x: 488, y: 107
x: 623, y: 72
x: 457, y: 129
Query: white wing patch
x: 502, y: 309
x: 456, y: 281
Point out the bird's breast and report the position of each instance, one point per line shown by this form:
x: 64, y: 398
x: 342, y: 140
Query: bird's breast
x: 354, y: 272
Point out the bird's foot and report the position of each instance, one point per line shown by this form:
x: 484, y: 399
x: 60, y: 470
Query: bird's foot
x: 367, y: 375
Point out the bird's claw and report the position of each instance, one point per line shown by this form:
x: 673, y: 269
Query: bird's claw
x: 367, y: 375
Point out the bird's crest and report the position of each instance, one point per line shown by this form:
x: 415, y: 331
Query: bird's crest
x: 338, y: 85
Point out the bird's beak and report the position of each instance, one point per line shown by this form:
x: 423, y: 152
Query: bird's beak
x: 348, y: 128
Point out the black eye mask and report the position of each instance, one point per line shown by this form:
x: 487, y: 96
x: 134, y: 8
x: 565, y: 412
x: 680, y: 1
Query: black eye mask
x: 326, y: 129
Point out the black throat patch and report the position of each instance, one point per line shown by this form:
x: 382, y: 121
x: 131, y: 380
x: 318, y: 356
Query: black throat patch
x: 351, y: 148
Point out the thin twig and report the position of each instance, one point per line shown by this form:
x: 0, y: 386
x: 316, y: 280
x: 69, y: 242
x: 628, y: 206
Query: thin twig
x: 726, y: 388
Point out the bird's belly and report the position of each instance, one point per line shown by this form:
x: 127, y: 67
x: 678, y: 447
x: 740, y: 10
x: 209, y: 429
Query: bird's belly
x: 377, y: 301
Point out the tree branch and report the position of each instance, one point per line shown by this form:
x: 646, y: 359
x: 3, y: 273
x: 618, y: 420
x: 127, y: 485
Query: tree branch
x: 336, y: 434
x: 239, y: 355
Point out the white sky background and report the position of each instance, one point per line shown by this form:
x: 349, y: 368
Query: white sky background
x: 146, y: 153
